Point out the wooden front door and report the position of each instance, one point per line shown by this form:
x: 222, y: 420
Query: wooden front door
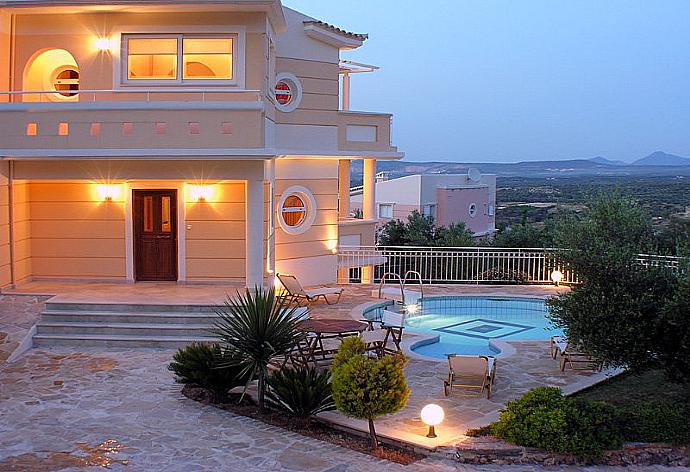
x: 155, y: 234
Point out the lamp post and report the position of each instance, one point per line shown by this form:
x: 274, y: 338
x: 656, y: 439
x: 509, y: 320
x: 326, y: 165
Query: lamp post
x: 432, y: 415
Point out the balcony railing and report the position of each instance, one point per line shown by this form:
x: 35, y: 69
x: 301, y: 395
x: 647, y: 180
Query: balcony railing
x: 137, y: 95
x: 475, y: 265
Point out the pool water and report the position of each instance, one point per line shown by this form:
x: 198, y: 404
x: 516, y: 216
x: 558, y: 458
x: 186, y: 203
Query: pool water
x: 466, y: 324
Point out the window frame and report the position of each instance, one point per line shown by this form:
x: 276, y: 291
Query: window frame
x: 387, y: 205
x: 309, y: 202
x: 121, y: 69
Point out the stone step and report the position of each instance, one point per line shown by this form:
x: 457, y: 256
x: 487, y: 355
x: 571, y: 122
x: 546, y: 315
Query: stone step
x: 129, y: 307
x: 134, y: 329
x: 91, y: 316
x: 116, y: 341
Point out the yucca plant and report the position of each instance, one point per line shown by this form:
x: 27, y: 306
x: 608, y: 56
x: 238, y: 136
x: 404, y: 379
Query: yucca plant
x: 258, y: 327
x: 208, y: 366
x: 301, y: 392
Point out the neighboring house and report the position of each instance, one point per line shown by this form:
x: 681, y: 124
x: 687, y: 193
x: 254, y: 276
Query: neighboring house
x: 190, y: 141
x: 450, y: 198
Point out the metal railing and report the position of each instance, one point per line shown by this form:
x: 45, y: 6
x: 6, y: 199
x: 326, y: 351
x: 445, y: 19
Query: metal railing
x: 138, y: 94
x: 458, y: 264
x: 453, y: 265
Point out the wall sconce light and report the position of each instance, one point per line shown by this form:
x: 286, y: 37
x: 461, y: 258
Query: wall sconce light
x: 108, y: 192
x: 556, y: 277
x: 102, y: 44
x: 432, y: 415
x: 200, y: 193
x: 332, y: 245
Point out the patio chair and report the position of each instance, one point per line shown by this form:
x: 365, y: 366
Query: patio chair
x: 392, y: 322
x: 375, y: 341
x: 558, y: 344
x: 471, y: 373
x: 571, y: 355
x: 297, y: 293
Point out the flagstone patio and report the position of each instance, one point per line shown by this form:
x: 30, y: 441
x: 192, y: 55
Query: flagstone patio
x: 65, y: 404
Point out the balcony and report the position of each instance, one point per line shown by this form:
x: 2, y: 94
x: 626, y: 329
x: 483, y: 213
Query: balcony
x: 113, y: 123
x: 363, y: 131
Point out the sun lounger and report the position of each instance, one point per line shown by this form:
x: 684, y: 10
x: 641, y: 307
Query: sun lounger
x: 473, y: 374
x: 298, y: 293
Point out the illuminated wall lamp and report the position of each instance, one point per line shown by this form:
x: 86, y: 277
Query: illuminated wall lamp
x: 102, y: 44
x: 200, y: 193
x: 556, y: 277
x: 332, y: 246
x: 432, y: 415
x: 108, y: 192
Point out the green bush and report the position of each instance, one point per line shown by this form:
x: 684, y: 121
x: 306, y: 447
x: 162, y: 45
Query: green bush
x: 367, y: 388
x: 208, y: 366
x: 546, y: 419
x: 301, y: 392
x: 655, y: 422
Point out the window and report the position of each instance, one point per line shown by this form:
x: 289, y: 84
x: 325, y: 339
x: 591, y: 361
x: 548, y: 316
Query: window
x: 296, y: 210
x: 473, y: 210
x: 287, y: 92
x: 385, y: 210
x: 429, y: 210
x: 66, y: 82
x: 178, y: 58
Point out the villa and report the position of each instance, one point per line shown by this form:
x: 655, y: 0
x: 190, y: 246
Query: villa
x: 468, y: 198
x: 197, y: 142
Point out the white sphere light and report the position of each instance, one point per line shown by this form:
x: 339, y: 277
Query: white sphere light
x: 432, y: 414
x: 556, y: 276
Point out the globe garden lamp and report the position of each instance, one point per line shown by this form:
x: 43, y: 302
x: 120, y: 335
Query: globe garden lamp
x: 432, y: 415
x: 556, y: 277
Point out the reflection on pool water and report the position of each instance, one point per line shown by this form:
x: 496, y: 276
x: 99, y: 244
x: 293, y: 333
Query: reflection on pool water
x: 466, y: 324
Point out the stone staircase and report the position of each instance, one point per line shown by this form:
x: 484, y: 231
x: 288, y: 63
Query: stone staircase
x: 123, y: 325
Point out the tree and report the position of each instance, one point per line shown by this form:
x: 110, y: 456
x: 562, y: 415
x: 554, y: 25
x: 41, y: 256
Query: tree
x: 455, y: 235
x: 367, y: 388
x: 622, y: 312
x: 257, y: 327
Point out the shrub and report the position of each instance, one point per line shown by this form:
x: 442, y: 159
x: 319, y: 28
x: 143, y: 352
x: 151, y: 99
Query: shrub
x: 208, y: 366
x: 546, y: 419
x: 368, y: 388
x: 258, y: 327
x: 658, y: 421
x: 302, y: 392
x: 499, y: 275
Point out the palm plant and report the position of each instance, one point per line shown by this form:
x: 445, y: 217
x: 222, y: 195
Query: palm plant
x: 300, y: 392
x: 258, y: 327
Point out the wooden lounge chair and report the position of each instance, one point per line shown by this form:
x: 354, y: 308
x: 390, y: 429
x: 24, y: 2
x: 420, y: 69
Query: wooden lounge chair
x: 572, y: 356
x: 471, y: 373
x: 297, y: 293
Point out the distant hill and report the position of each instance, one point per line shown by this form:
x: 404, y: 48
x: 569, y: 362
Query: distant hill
x: 654, y: 165
x: 660, y: 158
x: 608, y: 162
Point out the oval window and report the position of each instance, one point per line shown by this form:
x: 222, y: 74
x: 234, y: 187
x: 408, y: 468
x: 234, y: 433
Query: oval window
x: 473, y: 210
x: 283, y: 93
x: 294, y: 211
x: 66, y: 82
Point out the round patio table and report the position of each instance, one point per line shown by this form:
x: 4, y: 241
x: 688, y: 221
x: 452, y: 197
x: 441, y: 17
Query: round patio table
x: 324, y: 330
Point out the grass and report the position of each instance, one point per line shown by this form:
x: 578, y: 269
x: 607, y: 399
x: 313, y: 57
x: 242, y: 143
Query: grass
x: 634, y: 389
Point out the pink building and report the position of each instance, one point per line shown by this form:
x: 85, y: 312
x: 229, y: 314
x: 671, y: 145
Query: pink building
x: 450, y: 198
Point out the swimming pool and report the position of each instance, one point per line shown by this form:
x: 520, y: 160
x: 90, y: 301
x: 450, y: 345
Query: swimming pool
x: 467, y: 324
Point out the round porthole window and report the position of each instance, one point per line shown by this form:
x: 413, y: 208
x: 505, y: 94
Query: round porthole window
x: 287, y: 92
x: 66, y: 82
x: 296, y: 210
x: 473, y: 210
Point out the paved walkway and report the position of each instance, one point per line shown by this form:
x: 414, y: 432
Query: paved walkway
x: 67, y: 410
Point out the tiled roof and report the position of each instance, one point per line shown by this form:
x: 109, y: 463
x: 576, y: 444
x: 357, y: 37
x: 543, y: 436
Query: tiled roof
x: 335, y: 29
